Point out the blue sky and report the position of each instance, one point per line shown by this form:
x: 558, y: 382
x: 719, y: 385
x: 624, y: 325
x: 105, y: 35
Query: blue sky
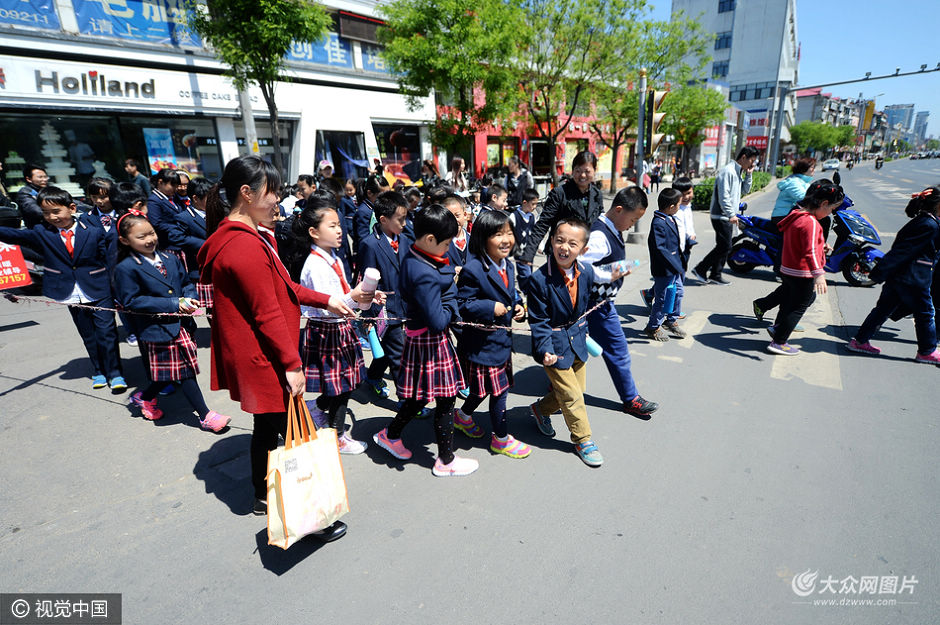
x: 843, y: 39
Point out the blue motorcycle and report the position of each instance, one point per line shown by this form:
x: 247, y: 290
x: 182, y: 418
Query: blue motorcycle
x: 760, y: 242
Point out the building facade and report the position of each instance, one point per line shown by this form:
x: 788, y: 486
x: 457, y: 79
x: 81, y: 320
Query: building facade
x: 87, y: 83
x: 756, y: 51
x: 920, y: 127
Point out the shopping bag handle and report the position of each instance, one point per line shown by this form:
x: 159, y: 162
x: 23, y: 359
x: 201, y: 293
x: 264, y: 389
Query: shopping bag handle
x: 300, y: 426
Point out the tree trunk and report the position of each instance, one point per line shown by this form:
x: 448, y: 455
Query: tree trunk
x: 268, y: 92
x: 551, y: 151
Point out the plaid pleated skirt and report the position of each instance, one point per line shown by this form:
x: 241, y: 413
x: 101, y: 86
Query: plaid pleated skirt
x: 332, y: 357
x: 429, y: 368
x: 173, y: 361
x: 204, y: 292
x: 488, y: 380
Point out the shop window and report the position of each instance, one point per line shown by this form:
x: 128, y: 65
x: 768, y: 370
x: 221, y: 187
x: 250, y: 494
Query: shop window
x: 346, y: 150
x: 725, y: 6
x: 400, y: 150
x: 498, y: 152
x: 720, y: 69
x: 188, y: 144
x: 540, y: 158
x: 723, y: 40
x: 266, y: 140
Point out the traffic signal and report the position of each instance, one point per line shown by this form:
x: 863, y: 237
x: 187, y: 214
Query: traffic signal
x: 654, y: 101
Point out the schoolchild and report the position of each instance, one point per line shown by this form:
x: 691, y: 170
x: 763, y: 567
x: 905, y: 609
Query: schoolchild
x: 429, y: 369
x: 687, y: 237
x: 486, y: 294
x: 102, y: 210
x: 802, y: 262
x: 457, y: 252
x: 498, y: 197
x: 606, y: 246
x: 332, y: 358
x: 413, y: 196
x: 188, y: 233
x: 559, y: 292
x: 124, y: 197
x: 182, y: 197
x: 76, y: 271
x: 666, y: 268
x: 161, y: 211
x: 367, y: 191
x: 348, y: 205
x: 907, y: 271
x: 522, y: 219
x: 149, y: 282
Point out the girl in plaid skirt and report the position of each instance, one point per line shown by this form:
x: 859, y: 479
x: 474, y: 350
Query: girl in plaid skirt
x: 332, y: 357
x: 148, y: 281
x: 486, y: 294
x: 429, y: 367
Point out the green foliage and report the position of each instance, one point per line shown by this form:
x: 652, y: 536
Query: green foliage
x: 807, y: 136
x: 691, y: 109
x: 933, y: 144
x: 759, y: 180
x: 702, y: 194
x: 459, y: 49
x: 783, y: 171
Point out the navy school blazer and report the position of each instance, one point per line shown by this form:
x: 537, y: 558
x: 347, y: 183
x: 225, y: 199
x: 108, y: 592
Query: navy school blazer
x: 141, y: 288
x: 458, y: 257
x: 913, y: 255
x: 479, y: 287
x: 552, y: 318
x: 161, y: 215
x: 428, y: 292
x: 375, y: 251
x: 361, y: 221
x: 188, y: 233
x: 88, y: 266
x: 663, y: 242
x: 93, y: 218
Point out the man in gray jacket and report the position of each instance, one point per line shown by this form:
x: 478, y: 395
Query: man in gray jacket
x: 732, y: 180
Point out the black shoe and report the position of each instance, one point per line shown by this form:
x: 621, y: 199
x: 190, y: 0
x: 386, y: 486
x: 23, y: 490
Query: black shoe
x: 260, y: 508
x: 331, y: 533
x: 719, y: 279
x: 639, y: 407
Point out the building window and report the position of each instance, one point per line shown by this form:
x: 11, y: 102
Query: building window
x: 720, y: 69
x: 723, y: 41
x: 725, y: 5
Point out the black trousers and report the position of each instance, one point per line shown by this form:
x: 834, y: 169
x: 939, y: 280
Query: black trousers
x: 714, y: 261
x: 99, y: 334
x: 267, y: 426
x: 798, y: 295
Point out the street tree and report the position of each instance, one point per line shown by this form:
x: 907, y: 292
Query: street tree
x: 807, y: 136
x: 670, y: 52
x: 460, y: 50
x: 933, y: 144
x: 566, y: 47
x: 252, y: 37
x: 690, y: 110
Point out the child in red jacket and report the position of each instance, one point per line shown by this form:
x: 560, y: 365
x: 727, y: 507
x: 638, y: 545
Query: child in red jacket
x: 802, y: 266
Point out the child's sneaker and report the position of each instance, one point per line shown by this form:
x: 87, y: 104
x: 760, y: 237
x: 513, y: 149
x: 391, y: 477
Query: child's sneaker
x: 320, y: 418
x: 674, y: 330
x: 758, y: 311
x: 98, y: 381
x: 379, y: 387
x: 394, y: 447
x: 131, y: 340
x: 933, y: 358
x: 117, y: 384
x: 783, y: 350
x: 147, y: 408
x: 509, y: 447
x: 647, y: 296
x: 544, y: 423
x: 214, y: 422
x: 656, y: 334
x: 589, y: 453
x: 639, y: 407
x: 465, y: 424
x: 350, y: 447
x: 862, y: 348
x: 458, y: 467
x: 463, y: 393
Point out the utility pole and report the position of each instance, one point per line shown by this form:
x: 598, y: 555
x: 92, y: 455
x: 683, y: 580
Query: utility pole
x: 637, y: 235
x: 248, y: 118
x: 784, y: 89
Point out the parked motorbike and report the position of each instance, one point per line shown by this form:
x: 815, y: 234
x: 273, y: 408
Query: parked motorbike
x: 879, y: 162
x: 760, y: 242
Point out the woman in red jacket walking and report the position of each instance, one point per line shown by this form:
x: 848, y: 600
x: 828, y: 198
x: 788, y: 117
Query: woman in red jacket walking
x: 256, y: 324
x: 803, y: 261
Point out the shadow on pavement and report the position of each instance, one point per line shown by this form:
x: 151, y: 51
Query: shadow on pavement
x: 739, y: 340
x: 280, y: 561
x: 225, y: 469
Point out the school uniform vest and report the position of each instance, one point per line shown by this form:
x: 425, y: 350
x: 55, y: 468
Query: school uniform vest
x: 602, y: 291
x: 521, y: 229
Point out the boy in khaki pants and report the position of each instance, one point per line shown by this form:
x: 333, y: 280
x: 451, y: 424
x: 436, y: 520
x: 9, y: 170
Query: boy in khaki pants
x: 558, y: 298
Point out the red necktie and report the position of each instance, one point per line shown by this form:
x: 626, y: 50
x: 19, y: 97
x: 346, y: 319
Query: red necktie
x: 394, y: 245
x: 461, y: 243
x: 342, y: 278
x: 68, y: 234
x: 161, y: 268
x: 505, y: 277
x: 106, y: 221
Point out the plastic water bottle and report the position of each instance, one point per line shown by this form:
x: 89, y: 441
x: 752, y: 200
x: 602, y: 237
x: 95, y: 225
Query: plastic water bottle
x: 622, y: 265
x: 669, y: 298
x: 370, y: 282
x: 377, y: 351
x: 593, y: 348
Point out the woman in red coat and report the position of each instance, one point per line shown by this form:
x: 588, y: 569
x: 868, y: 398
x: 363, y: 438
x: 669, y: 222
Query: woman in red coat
x: 256, y: 317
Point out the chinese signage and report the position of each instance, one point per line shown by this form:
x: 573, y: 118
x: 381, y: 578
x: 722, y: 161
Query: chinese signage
x: 154, y: 21
x: 13, y: 271
x: 30, y: 13
x: 332, y: 50
x: 372, y: 60
x: 758, y: 142
x: 712, y: 137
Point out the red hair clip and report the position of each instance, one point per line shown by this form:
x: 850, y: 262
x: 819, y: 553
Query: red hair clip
x: 922, y: 194
x: 130, y: 211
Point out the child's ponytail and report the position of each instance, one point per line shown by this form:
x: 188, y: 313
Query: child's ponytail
x: 217, y: 208
x: 927, y: 201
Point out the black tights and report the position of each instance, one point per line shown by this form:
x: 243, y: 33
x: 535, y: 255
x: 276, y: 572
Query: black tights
x: 335, y: 408
x: 267, y: 426
x: 190, y: 389
x: 497, y: 411
x: 443, y: 424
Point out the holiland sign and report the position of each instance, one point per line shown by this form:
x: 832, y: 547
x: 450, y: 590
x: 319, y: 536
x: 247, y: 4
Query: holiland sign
x: 94, y: 83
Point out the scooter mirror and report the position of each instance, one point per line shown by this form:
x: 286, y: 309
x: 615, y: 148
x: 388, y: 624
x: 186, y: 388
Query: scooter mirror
x: 742, y: 206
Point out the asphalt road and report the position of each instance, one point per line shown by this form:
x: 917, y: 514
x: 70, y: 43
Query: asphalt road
x: 755, y: 469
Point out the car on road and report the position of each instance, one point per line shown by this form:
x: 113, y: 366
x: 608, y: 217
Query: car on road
x: 832, y: 163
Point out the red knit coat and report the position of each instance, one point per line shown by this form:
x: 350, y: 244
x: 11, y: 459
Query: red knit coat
x: 256, y: 317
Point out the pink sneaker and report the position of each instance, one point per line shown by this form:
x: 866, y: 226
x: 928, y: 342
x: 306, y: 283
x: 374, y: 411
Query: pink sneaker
x: 862, y: 348
x: 394, y: 447
x: 214, y: 421
x: 510, y: 447
x: 147, y: 408
x: 458, y: 467
x: 932, y: 358
x: 465, y: 424
x: 349, y: 446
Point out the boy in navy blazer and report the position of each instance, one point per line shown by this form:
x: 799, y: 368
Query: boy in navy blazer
x: 666, y: 267
x: 384, y: 250
x: 75, y: 256
x: 459, y: 246
x: 188, y: 231
x: 559, y: 294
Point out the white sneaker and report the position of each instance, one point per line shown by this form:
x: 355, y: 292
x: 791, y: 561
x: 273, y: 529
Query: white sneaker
x: 350, y: 447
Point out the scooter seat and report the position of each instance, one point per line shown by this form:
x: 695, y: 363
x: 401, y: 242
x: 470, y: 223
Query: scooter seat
x: 765, y: 224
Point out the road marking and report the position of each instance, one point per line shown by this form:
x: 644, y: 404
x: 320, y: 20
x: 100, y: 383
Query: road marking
x: 814, y: 368
x: 907, y: 180
x: 671, y: 358
x: 693, y: 324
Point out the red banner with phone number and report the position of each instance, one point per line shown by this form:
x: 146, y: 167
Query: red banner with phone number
x: 13, y: 271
